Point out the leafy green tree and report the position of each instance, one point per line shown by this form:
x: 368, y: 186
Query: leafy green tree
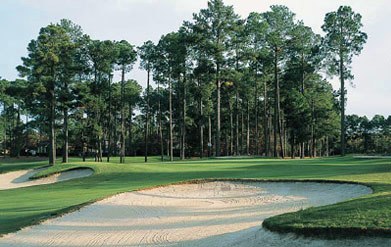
x: 344, y: 39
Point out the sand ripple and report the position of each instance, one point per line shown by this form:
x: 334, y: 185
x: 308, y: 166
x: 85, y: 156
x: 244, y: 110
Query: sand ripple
x: 206, y: 214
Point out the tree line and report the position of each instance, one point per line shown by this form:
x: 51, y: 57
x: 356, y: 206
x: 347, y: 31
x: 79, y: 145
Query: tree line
x: 223, y: 85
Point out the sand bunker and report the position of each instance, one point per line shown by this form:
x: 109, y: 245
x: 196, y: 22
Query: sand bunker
x: 207, y: 214
x: 18, y: 179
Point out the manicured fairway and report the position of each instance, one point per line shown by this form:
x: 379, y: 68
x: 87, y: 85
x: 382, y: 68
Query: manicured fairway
x: 370, y: 214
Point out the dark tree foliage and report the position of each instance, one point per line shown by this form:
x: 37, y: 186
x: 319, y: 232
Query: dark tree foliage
x: 218, y: 86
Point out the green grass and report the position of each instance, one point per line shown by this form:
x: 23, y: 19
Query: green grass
x: 367, y: 215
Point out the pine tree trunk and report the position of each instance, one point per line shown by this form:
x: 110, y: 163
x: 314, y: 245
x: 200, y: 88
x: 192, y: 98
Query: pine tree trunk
x: 277, y: 110
x: 99, y: 150
x: 302, y: 150
x: 160, y: 126
x: 276, y: 98
x: 293, y: 145
x: 18, y: 139
x: 201, y: 130
x: 218, y: 129
x: 209, y: 136
x: 5, y: 133
x: 66, y: 137
x: 342, y: 77
x: 248, y: 129
x: 312, y: 147
x: 170, y: 110
x: 52, y: 119
x: 183, y: 142
x: 283, y: 136
x: 266, y: 122
x: 109, y: 144
x: 123, y: 136
x: 242, y: 134
x: 130, y: 130
x: 256, y: 121
x: 147, y: 120
x: 237, y: 124
x: 327, y: 147
x: 231, y: 127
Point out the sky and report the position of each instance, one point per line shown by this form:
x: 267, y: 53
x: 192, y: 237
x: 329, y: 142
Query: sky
x: 140, y: 20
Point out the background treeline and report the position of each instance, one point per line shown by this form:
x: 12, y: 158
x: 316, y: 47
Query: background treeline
x: 222, y: 86
x: 372, y: 136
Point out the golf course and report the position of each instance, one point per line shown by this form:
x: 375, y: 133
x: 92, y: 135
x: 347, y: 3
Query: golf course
x: 203, y: 123
x: 368, y: 215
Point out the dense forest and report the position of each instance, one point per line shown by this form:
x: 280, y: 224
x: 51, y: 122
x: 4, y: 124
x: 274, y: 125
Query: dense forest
x: 219, y: 86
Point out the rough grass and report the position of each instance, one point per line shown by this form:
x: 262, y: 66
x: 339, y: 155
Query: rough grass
x: 367, y: 215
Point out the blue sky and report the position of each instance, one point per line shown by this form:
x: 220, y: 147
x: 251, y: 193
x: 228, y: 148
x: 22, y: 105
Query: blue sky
x: 140, y: 20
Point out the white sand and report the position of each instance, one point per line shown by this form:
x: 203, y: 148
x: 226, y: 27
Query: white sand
x: 18, y: 179
x: 207, y: 214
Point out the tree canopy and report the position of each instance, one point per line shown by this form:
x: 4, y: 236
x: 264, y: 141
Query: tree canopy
x: 220, y: 85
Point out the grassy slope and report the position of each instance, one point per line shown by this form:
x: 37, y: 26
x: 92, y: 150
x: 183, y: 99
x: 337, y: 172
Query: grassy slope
x: 26, y: 206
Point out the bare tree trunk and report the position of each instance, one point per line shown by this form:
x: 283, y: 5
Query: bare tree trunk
x: 277, y: 110
x: 256, y: 122
x: 66, y: 137
x: 122, y: 154
x: 312, y: 147
x: 276, y: 98
x: 130, y: 130
x: 201, y: 130
x: 248, y: 130
x: 100, y: 150
x: 160, y: 126
x: 147, y: 120
x: 237, y: 124
x: 293, y: 145
x: 5, y: 133
x: 266, y: 122
x: 342, y: 78
x: 284, y: 135
x: 110, y: 131
x: 270, y: 134
x: 327, y: 147
x: 242, y: 134
x: 65, y: 130
x: 226, y: 144
x: 231, y: 124
x: 209, y: 136
x: 183, y: 142
x: 218, y: 129
x: 18, y: 139
x: 52, y: 119
x: 170, y: 110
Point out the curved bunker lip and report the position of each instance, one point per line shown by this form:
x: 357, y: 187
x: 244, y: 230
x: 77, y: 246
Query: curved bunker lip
x: 19, y: 179
x: 214, y: 213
